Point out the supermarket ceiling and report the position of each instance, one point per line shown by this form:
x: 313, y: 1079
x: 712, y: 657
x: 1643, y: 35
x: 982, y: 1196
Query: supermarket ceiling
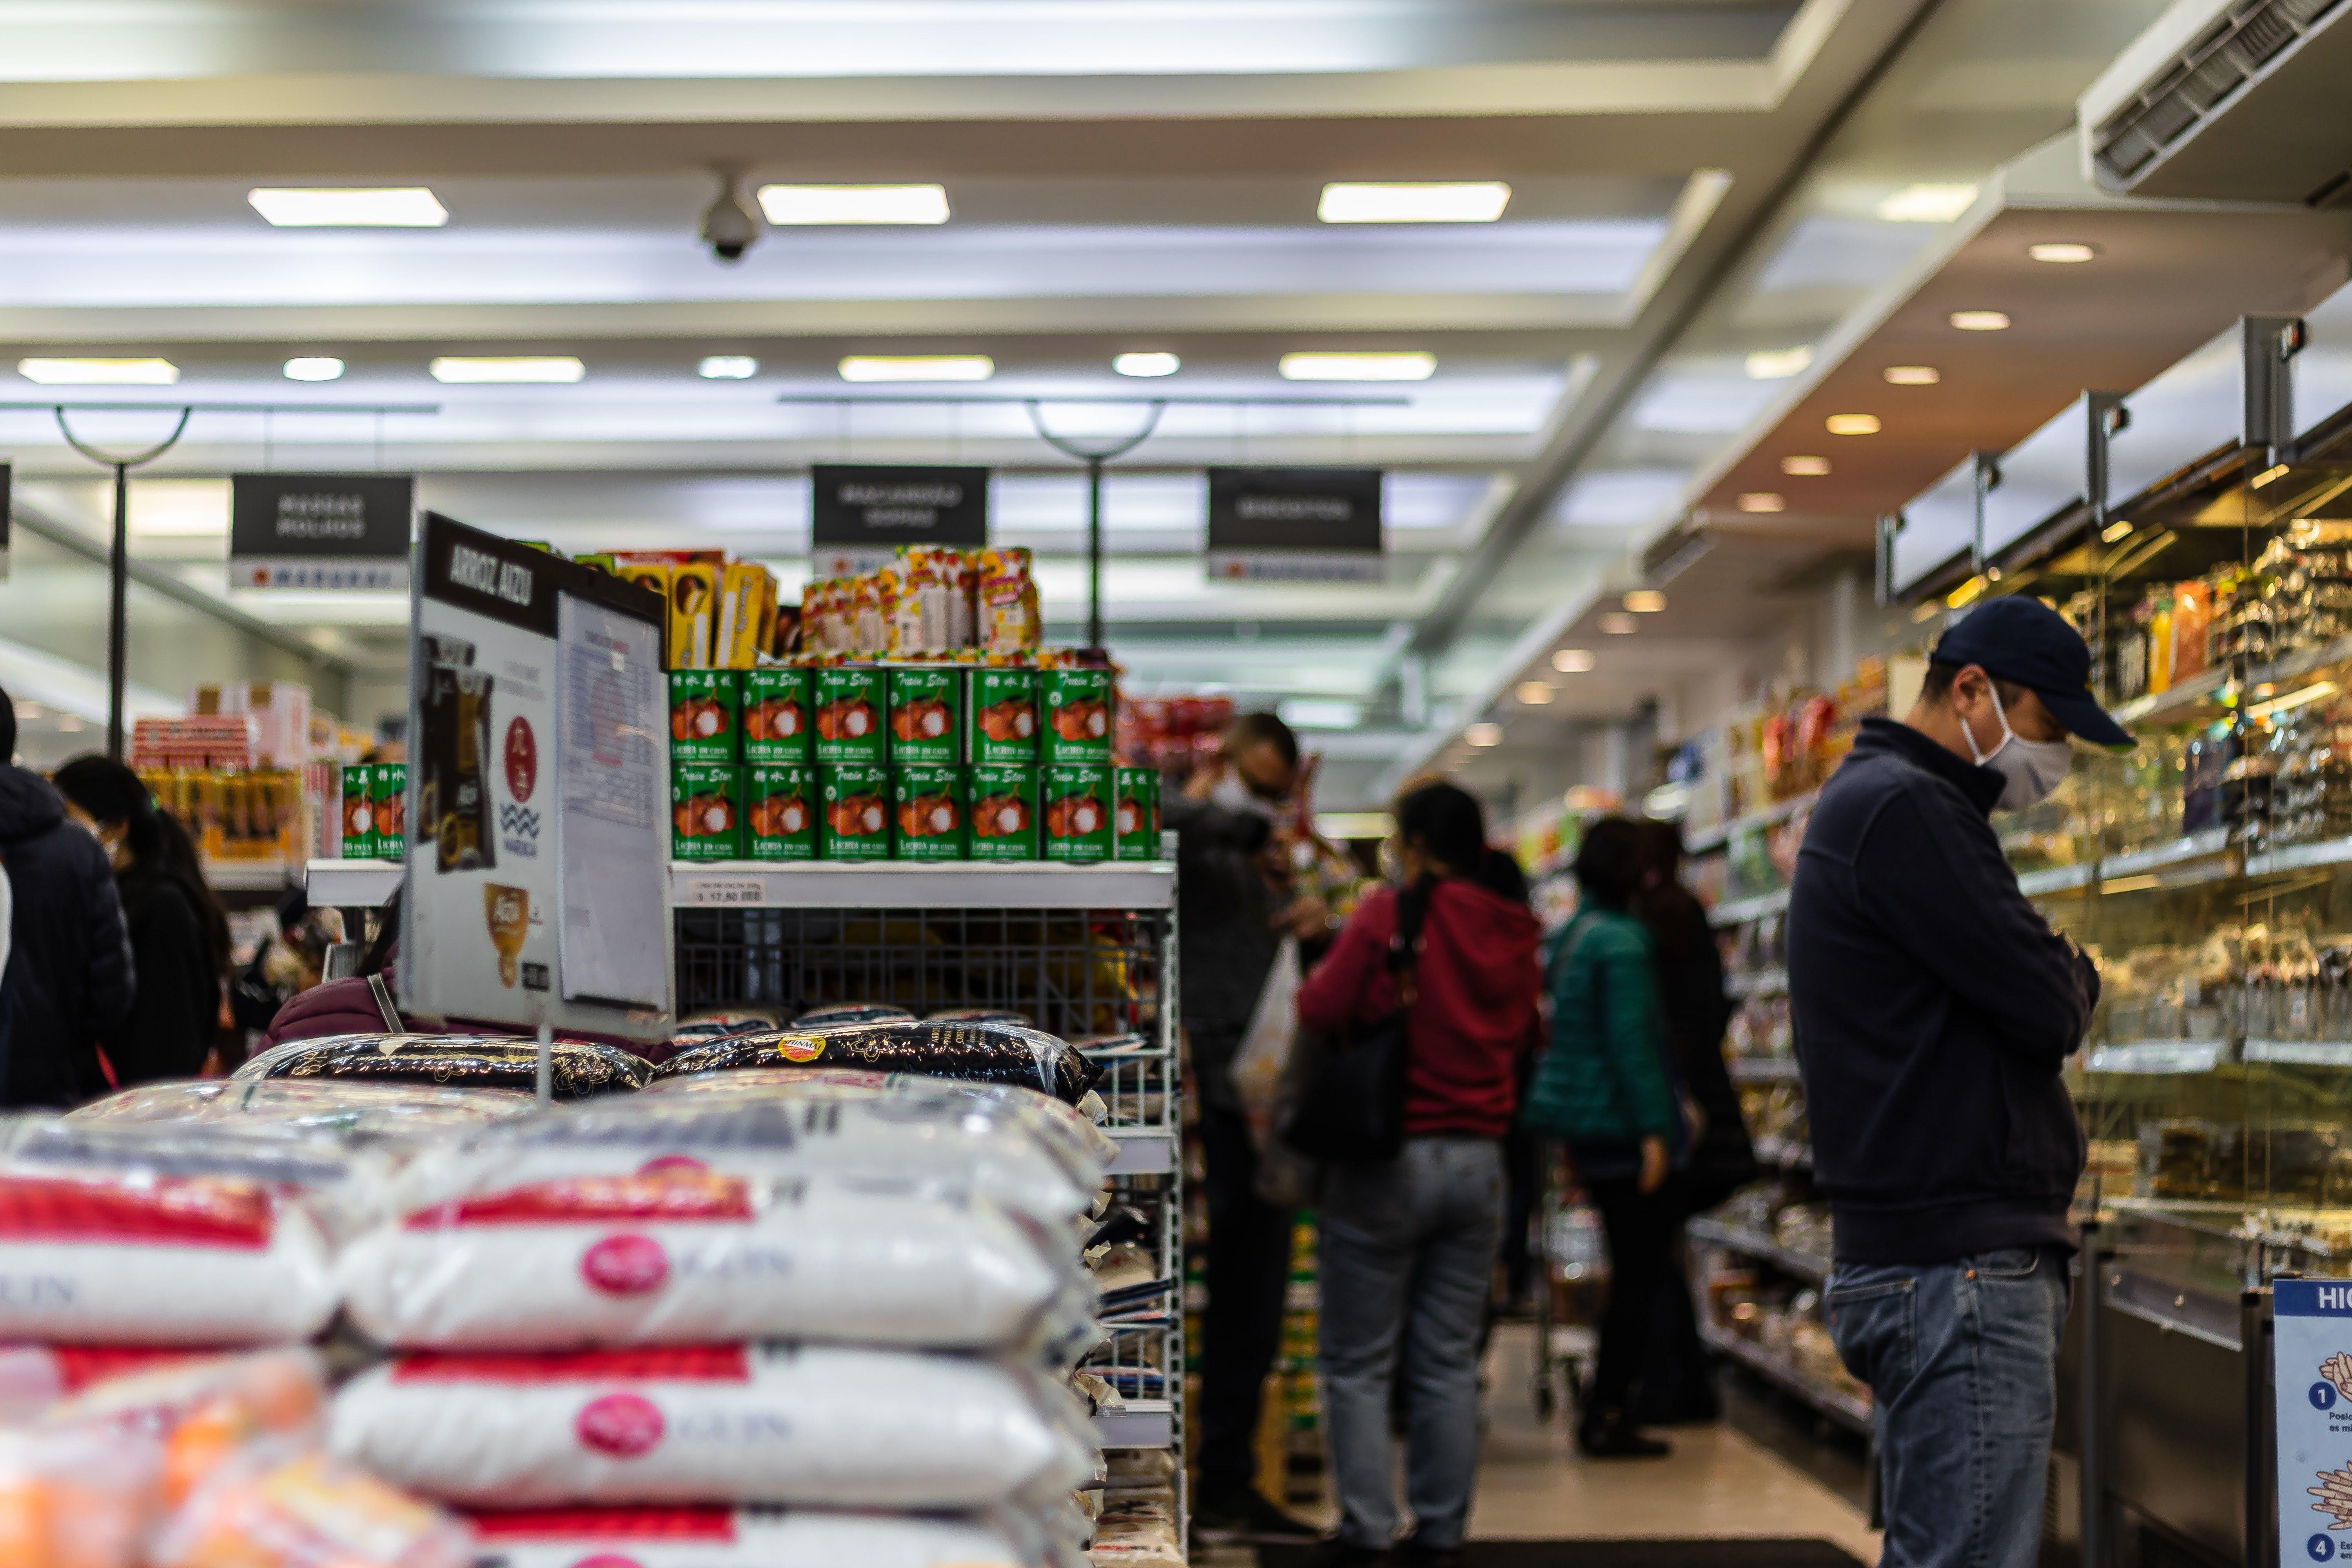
x: 1119, y: 176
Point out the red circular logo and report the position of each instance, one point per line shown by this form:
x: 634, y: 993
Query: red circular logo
x: 522, y: 759
x: 625, y: 1265
x: 621, y: 1424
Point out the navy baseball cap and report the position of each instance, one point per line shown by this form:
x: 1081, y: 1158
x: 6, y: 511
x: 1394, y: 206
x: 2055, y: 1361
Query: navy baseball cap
x: 2019, y: 638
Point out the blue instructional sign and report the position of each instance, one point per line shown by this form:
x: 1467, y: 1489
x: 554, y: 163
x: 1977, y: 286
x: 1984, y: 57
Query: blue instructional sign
x: 2312, y: 1337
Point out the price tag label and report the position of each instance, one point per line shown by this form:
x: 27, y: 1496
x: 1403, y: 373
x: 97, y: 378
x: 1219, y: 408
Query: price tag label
x: 732, y: 892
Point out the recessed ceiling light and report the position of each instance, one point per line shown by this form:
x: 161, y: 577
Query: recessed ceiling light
x: 99, y: 371
x: 1912, y: 375
x: 2064, y: 252
x: 726, y: 367
x: 1926, y: 204
x: 1573, y: 660
x: 1618, y: 623
x: 1467, y: 201
x: 1358, y: 366
x: 918, y: 367
x: 1537, y: 693
x: 390, y: 206
x: 469, y: 370
x: 314, y: 367
x: 1853, y: 423
x: 1762, y: 501
x: 1778, y: 364
x: 1981, y: 320
x: 1147, y: 364
x: 1646, y: 601
x: 1484, y: 734
x: 796, y: 205
x: 1805, y: 468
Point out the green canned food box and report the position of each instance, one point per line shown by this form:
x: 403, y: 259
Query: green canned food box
x: 1003, y: 810
x: 703, y: 720
x: 356, y: 833
x: 388, y: 805
x: 849, y: 714
x: 923, y: 703
x: 1078, y: 717
x: 1001, y: 716
x: 1076, y: 811
x: 706, y: 810
x: 780, y: 811
x: 776, y: 720
x: 854, y: 817
x: 932, y: 819
x: 1135, y: 812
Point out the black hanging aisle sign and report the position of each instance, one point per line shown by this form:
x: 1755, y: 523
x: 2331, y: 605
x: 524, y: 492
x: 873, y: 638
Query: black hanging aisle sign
x: 319, y: 530
x: 859, y: 514
x: 1296, y: 525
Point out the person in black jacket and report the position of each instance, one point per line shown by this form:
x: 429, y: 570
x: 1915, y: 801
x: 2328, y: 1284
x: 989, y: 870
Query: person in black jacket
x: 69, y: 975
x: 1676, y: 1385
x: 179, y: 938
x: 1934, y: 1010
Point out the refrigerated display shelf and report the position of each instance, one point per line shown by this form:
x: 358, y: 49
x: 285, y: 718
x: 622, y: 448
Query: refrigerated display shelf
x: 1739, y: 911
x: 2158, y: 1057
x: 1834, y: 1402
x: 1810, y: 1266
x: 2300, y: 1053
x: 1708, y: 838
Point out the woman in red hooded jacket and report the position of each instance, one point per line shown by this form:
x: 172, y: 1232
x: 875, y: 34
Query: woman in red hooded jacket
x: 1409, y: 1244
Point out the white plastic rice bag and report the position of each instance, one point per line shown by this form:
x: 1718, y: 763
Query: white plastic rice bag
x: 682, y: 1256
x: 112, y: 1259
x: 740, y: 1538
x: 934, y: 1140
x: 801, y: 1425
x: 355, y: 1111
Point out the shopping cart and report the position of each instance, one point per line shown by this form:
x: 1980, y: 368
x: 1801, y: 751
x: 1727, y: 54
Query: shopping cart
x: 1570, y: 1269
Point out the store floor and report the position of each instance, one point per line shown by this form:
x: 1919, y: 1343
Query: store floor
x: 1759, y: 1473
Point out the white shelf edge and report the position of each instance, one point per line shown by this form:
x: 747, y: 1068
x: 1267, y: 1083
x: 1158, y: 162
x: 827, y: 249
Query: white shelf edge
x: 879, y: 884
x: 1738, y: 911
x: 1779, y: 811
x: 1142, y: 1150
x: 1762, y: 1070
x: 1841, y: 1407
x: 1762, y: 983
x: 1753, y: 1244
x: 2189, y: 847
x: 1144, y: 1423
x: 2052, y: 879
x: 2300, y: 1053
x: 2157, y: 1057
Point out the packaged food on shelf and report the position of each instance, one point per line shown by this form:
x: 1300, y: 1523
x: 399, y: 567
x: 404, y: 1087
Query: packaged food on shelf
x: 1134, y: 815
x: 398, y: 1116
x: 275, y: 1508
x: 743, y: 1538
x: 1079, y: 713
x: 1003, y: 812
x: 1005, y: 609
x: 985, y: 1053
x: 851, y: 706
x: 852, y: 1013
x: 705, y: 721
x: 930, y: 810
x: 706, y: 810
x: 925, y: 727
x: 581, y: 1068
x: 777, y: 726
x: 854, y: 814
x: 780, y: 811
x: 1001, y: 717
x: 1075, y: 810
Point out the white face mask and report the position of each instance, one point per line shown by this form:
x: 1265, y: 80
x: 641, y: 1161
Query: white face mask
x: 2032, y: 767
x: 1233, y: 794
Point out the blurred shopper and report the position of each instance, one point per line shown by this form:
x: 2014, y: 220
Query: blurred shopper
x: 361, y: 1003
x: 1409, y: 1244
x: 1234, y: 905
x: 1934, y: 1010
x: 69, y: 976
x: 1676, y: 1381
x: 179, y: 936
x: 1605, y: 1090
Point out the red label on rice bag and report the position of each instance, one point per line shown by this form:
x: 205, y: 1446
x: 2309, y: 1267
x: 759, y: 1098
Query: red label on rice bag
x: 608, y: 1524
x: 667, y: 1194
x: 78, y: 1366
x: 625, y: 1426
x: 191, y: 1212
x: 675, y: 1363
x: 625, y: 1265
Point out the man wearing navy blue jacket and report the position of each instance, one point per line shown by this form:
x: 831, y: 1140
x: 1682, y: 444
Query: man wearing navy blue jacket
x: 1934, y: 1009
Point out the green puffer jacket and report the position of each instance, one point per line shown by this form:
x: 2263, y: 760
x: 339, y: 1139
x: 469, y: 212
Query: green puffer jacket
x: 1603, y: 1080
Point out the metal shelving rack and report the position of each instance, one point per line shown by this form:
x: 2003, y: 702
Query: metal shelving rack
x: 1083, y: 950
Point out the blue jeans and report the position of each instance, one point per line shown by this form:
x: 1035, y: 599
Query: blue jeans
x: 1408, y: 1263
x: 1962, y: 1362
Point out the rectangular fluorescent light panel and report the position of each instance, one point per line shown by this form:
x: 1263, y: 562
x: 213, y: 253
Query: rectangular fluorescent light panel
x: 918, y: 367
x: 99, y: 371
x: 391, y: 207
x: 548, y: 368
x: 795, y: 204
x: 1927, y: 204
x: 1319, y: 713
x: 1778, y: 364
x: 1468, y: 201
x: 1358, y: 367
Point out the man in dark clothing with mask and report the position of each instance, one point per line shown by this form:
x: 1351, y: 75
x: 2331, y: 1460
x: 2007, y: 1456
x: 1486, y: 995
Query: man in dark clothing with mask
x: 1233, y: 910
x: 1934, y: 1009
x: 68, y: 971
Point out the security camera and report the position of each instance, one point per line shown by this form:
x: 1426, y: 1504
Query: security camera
x: 730, y: 227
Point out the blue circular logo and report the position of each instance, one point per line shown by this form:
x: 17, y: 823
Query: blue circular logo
x: 2320, y: 1548
x: 2323, y: 1395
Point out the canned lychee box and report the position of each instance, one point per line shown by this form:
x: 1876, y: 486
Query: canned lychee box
x: 1135, y: 812
x: 1074, y: 809
x: 776, y: 721
x: 932, y: 824
x: 1003, y: 810
x: 706, y: 810
x: 703, y: 723
x: 388, y: 806
x: 924, y: 700
x: 780, y: 811
x: 355, y: 831
x: 849, y: 700
x: 1078, y: 717
x: 854, y: 813
x: 1001, y: 716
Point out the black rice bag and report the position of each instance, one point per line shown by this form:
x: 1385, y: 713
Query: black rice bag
x: 975, y: 1053
x: 853, y: 1013
x: 580, y: 1068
